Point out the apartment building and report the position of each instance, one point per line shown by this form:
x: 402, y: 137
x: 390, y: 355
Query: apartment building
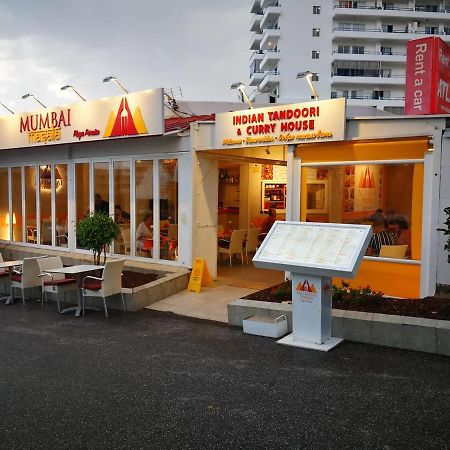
x: 355, y: 49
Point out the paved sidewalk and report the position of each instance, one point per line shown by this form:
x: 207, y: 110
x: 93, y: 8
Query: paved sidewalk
x: 210, y: 303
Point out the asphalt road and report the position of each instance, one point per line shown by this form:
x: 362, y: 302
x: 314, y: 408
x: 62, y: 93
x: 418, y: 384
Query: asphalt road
x: 149, y: 380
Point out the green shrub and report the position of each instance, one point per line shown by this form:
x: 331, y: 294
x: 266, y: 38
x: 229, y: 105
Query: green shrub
x: 95, y: 232
x: 361, y: 295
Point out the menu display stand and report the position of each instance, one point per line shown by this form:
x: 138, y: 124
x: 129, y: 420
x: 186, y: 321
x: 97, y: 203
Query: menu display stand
x: 313, y: 253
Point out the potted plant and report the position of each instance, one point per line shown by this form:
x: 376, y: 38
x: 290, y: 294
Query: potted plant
x: 446, y: 231
x: 95, y: 232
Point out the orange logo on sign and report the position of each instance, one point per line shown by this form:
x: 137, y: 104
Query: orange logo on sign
x: 367, y: 180
x: 123, y: 123
x: 306, y: 287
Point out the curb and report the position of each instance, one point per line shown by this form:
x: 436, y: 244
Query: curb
x: 409, y: 333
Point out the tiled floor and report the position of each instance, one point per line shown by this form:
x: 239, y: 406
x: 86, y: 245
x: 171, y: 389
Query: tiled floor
x: 211, y: 303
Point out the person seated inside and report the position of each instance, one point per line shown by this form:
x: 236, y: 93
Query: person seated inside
x: 380, y: 237
x: 267, y: 224
x: 100, y: 205
x: 121, y: 216
x: 144, y: 230
x: 399, y: 226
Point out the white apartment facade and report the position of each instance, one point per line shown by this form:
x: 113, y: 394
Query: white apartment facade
x: 355, y: 49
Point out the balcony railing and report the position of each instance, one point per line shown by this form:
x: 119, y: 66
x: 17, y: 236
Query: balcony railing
x: 380, y: 30
x: 366, y: 97
x: 368, y: 74
x: 394, y: 8
x: 366, y: 52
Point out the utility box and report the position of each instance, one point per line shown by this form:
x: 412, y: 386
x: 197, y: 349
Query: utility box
x: 266, y: 326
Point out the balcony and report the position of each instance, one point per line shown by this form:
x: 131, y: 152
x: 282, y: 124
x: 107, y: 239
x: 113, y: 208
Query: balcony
x: 266, y: 3
x: 255, y: 23
x: 270, y: 60
x: 256, y: 78
x: 270, y: 17
x: 270, y: 38
x: 255, y: 41
x: 394, y: 57
x: 376, y: 80
x: 257, y: 55
x: 402, y: 11
x: 270, y: 82
x: 256, y: 7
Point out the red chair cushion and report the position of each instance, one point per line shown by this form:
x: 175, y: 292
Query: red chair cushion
x: 93, y: 285
x: 62, y: 282
x: 3, y: 274
x: 16, y: 277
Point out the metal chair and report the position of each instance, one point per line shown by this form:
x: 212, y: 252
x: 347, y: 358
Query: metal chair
x: 251, y: 244
x: 26, y: 277
x: 54, y: 283
x: 109, y: 284
x: 236, y: 245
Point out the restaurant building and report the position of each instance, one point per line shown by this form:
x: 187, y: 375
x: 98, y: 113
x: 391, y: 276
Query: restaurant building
x: 198, y: 172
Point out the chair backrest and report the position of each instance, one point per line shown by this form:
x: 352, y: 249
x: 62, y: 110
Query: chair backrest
x: 173, y: 231
x: 53, y: 262
x: 237, y: 241
x: 252, y: 239
x: 31, y: 272
x: 1, y: 258
x: 393, y: 251
x: 220, y: 229
x: 112, y: 277
x: 126, y: 234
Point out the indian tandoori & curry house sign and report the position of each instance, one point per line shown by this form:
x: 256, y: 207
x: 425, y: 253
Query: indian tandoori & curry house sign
x: 285, y: 124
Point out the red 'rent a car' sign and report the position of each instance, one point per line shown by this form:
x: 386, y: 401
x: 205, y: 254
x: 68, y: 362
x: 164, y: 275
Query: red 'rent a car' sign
x: 427, y: 77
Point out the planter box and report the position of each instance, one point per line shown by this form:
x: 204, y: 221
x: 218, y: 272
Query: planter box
x: 409, y: 333
x: 266, y: 326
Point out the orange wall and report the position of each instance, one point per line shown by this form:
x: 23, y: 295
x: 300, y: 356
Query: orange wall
x: 393, y: 279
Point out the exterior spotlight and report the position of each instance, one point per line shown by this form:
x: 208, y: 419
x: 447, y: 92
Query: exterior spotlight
x: 240, y: 87
x: 4, y: 106
x: 308, y: 75
x: 113, y: 78
x: 68, y: 86
x: 33, y: 97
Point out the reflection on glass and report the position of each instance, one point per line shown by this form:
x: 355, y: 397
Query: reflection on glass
x: 81, y: 192
x: 4, y: 205
x: 30, y: 204
x: 380, y: 195
x: 45, y: 203
x: 168, y: 191
x: 144, y: 208
x: 122, y: 205
x: 16, y: 186
x: 101, y: 187
x: 61, y: 205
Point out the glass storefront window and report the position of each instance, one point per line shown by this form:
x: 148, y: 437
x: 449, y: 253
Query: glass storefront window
x: 30, y: 205
x: 16, y: 186
x: 144, y: 208
x: 82, y: 206
x: 122, y: 206
x: 101, y: 187
x: 168, y: 214
x: 45, y: 203
x: 4, y: 205
x: 61, y: 205
x: 381, y: 195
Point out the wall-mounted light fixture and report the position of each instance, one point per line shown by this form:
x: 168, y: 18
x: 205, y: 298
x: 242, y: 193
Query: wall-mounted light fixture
x: 115, y: 80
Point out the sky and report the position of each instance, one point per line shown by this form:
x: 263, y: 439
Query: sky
x: 200, y: 45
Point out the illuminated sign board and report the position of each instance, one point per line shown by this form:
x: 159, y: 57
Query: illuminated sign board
x: 282, y: 124
x: 427, y: 77
x: 135, y: 114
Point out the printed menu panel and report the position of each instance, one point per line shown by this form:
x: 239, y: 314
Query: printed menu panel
x: 328, y: 246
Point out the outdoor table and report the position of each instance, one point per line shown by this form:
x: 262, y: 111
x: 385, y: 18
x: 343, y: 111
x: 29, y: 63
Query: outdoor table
x: 78, y: 271
x: 9, y: 265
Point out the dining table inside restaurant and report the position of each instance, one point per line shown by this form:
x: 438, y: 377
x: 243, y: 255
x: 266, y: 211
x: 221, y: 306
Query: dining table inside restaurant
x: 77, y: 271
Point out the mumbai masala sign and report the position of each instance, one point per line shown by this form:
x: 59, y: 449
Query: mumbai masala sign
x: 135, y: 114
x: 297, y: 123
x: 427, y: 77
